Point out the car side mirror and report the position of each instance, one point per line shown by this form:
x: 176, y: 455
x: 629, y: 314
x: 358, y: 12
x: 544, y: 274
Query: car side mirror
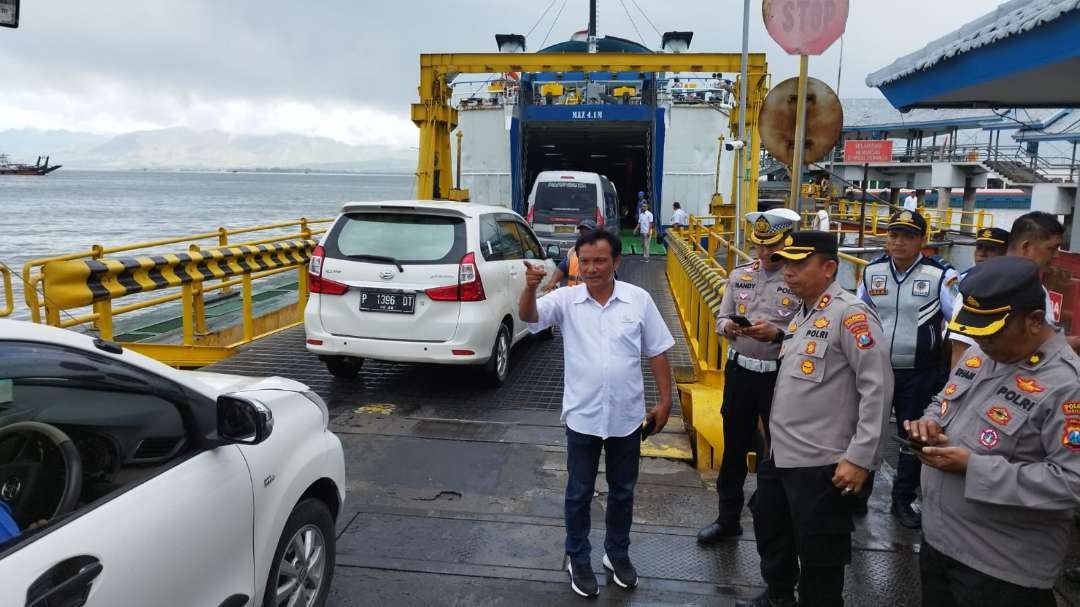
x: 9, y: 13
x: 243, y: 421
x: 553, y: 251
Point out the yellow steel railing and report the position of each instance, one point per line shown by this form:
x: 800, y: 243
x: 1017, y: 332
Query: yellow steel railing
x: 195, y: 331
x: 9, y: 295
x: 843, y: 213
x: 697, y: 279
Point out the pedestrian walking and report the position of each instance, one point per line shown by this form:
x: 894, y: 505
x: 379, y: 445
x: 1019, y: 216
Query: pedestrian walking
x: 679, y: 219
x: 755, y: 292
x: 913, y: 297
x: 827, y: 421
x: 645, y: 227
x: 607, y: 325
x: 1001, y: 474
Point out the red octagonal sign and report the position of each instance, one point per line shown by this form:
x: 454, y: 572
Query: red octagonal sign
x: 805, y: 27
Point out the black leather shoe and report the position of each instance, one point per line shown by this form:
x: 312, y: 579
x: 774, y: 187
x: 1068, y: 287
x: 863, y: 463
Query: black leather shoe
x: 765, y: 600
x: 718, y: 532
x: 905, y: 515
x: 582, y: 578
x: 622, y: 570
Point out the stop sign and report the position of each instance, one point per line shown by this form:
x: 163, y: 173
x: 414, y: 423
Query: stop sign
x: 805, y: 27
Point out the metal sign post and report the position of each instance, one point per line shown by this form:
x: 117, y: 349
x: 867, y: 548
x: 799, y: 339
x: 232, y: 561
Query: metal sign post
x: 797, y: 161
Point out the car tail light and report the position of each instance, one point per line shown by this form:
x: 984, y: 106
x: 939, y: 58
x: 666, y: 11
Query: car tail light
x: 462, y: 352
x: 318, y: 284
x: 529, y: 216
x: 469, y: 287
x: 599, y: 218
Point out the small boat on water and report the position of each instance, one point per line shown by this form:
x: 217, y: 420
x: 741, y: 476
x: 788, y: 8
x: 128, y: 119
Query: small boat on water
x: 38, y: 168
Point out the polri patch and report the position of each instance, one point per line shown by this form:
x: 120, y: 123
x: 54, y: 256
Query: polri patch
x: 1070, y: 438
x: 864, y: 341
x: 807, y: 367
x: 921, y: 288
x: 989, y: 438
x: 1029, y: 385
x: 821, y: 323
x: 811, y: 347
x: 999, y: 415
x: 1071, y: 407
x: 973, y: 363
x: 824, y: 302
x: 951, y: 389
x: 792, y: 326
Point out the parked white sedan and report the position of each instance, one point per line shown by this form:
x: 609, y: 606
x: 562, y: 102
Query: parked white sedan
x: 125, y: 482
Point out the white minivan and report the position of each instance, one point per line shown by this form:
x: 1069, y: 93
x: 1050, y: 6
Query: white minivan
x: 560, y: 200
x: 420, y: 281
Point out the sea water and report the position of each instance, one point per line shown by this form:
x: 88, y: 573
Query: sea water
x: 70, y: 211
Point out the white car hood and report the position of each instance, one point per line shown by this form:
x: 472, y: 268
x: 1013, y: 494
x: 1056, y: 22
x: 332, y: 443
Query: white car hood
x: 222, y: 383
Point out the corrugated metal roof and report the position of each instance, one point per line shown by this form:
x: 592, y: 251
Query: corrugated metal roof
x: 1011, y: 18
x: 879, y: 114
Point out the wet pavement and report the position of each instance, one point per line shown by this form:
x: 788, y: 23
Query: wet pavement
x: 455, y: 490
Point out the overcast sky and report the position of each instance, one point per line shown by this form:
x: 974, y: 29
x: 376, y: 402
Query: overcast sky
x: 347, y: 69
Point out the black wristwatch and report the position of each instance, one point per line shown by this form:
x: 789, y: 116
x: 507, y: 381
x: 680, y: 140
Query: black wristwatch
x: 779, y: 339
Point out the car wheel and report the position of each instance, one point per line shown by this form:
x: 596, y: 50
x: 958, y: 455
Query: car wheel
x: 345, y: 367
x: 498, y: 366
x: 303, y: 564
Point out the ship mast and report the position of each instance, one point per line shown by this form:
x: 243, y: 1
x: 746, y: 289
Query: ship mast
x: 592, y: 26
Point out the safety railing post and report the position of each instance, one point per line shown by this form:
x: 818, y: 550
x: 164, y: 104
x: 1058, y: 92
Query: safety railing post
x: 103, y: 313
x: 9, y: 295
x: 223, y: 241
x: 980, y: 219
x: 104, y: 319
x: 198, y: 301
x: 187, y: 316
x: 249, y: 321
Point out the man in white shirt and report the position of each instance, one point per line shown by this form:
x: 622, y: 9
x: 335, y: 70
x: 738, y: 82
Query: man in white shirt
x: 645, y: 223
x: 911, y: 203
x: 679, y: 219
x: 606, y: 326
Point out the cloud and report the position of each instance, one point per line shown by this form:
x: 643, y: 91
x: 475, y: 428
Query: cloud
x: 348, y: 69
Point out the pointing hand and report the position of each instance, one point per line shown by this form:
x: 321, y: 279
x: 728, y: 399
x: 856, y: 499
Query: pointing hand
x: 534, y: 275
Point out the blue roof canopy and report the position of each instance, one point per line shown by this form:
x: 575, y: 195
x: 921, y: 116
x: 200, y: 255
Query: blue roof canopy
x: 1024, y: 54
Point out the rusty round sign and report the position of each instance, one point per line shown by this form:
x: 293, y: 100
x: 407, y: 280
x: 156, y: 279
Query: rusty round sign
x: 824, y: 117
x: 805, y: 27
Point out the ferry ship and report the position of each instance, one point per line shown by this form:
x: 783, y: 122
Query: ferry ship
x: 38, y: 168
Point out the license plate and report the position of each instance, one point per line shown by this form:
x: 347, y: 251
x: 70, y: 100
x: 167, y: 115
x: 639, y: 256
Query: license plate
x: 387, y: 301
x: 564, y: 229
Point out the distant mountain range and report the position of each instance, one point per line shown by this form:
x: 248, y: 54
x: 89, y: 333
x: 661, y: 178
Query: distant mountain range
x: 182, y: 148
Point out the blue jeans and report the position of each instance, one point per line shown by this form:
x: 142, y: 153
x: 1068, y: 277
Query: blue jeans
x: 582, y: 460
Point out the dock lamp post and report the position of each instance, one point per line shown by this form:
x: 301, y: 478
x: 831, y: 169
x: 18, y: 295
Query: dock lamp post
x: 676, y: 42
x: 508, y: 43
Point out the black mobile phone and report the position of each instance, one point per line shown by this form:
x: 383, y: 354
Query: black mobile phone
x: 910, y: 443
x: 742, y: 321
x: 647, y: 428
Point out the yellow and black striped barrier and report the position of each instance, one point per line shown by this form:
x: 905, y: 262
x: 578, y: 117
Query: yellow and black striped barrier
x: 79, y: 283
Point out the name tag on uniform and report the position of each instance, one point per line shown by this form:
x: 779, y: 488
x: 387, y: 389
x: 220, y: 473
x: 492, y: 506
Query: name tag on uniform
x: 877, y: 285
x: 921, y: 288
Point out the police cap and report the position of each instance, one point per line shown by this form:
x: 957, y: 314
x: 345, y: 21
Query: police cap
x: 994, y: 289
x: 993, y: 236
x: 800, y: 245
x: 908, y: 221
x: 587, y: 224
x: 769, y: 227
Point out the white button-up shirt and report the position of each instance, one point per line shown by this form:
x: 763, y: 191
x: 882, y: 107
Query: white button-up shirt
x: 603, y: 388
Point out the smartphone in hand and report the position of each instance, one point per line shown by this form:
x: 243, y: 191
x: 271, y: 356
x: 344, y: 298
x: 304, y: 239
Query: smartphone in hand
x: 647, y: 429
x: 909, y: 443
x: 742, y: 321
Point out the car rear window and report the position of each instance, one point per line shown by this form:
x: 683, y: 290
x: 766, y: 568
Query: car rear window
x: 410, y: 238
x: 564, y: 202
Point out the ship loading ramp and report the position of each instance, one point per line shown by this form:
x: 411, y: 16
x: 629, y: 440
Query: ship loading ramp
x: 621, y: 151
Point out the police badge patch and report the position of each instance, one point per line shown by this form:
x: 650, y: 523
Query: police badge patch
x: 878, y: 285
x: 921, y: 288
x: 989, y: 438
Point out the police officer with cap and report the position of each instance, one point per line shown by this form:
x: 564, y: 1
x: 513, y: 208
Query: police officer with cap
x: 1001, y: 474
x: 913, y: 296
x: 757, y: 293
x: 990, y: 242
x: 827, y: 422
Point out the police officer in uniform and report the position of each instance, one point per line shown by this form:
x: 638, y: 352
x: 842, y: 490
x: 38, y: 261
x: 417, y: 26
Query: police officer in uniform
x: 990, y: 243
x: 913, y: 296
x: 828, y: 418
x: 1002, y: 473
x: 755, y: 291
